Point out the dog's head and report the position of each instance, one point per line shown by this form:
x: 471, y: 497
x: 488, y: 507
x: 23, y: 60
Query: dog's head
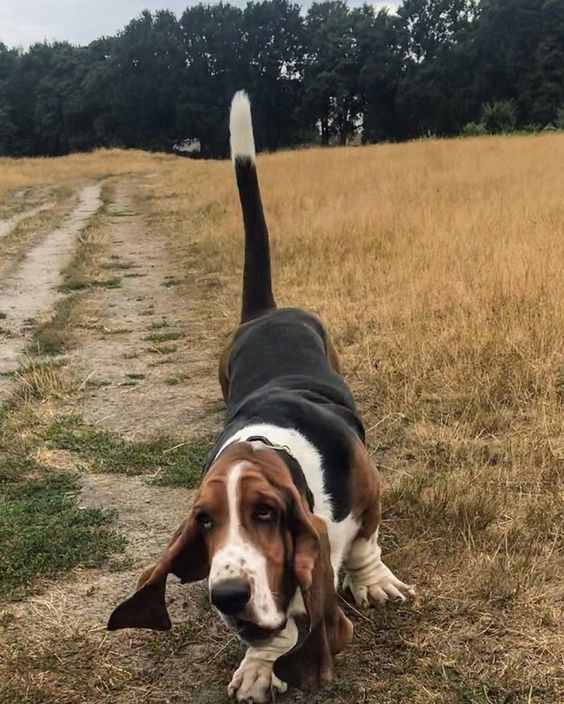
x: 252, y: 533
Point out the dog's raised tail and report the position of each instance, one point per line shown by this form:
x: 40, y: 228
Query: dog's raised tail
x: 257, y: 284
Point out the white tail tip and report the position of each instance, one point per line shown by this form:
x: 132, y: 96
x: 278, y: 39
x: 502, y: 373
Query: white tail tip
x: 241, y: 127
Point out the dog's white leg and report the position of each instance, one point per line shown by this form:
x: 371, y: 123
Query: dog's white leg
x: 253, y: 681
x: 368, y: 578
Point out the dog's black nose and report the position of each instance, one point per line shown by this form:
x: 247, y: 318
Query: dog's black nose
x: 231, y: 596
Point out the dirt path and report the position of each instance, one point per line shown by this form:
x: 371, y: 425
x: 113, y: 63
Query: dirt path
x: 32, y: 290
x: 138, y: 343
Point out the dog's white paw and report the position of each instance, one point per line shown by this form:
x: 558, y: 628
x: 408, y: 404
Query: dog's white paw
x: 382, y: 586
x: 254, y: 682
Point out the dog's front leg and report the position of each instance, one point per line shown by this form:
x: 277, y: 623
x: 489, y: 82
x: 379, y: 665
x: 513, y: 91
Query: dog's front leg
x: 368, y: 578
x: 254, y: 681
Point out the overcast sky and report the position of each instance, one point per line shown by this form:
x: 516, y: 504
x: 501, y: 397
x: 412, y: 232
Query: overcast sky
x: 23, y: 22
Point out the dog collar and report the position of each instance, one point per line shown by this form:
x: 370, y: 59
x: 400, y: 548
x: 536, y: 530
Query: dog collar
x: 266, y: 441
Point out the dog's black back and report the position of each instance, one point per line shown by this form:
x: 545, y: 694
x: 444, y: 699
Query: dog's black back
x: 280, y: 375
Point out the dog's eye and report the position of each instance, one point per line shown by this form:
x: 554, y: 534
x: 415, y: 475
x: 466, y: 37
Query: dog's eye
x: 263, y: 512
x: 204, y: 521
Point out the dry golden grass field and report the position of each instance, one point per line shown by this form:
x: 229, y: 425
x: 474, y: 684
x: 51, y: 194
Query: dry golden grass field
x: 438, y: 267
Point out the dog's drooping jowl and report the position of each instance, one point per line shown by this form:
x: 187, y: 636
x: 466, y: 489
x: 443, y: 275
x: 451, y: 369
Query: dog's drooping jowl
x: 288, y: 496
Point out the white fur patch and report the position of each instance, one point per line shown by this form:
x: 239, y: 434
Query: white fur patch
x: 241, y: 127
x: 239, y: 559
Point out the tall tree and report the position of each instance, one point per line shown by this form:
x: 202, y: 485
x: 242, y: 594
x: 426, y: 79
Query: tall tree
x: 213, y: 44
x: 146, y: 69
x: 274, y: 52
x: 431, y: 25
x: 380, y: 73
x: 519, y: 56
x: 331, y: 90
x: 8, y: 130
x: 434, y: 36
x: 430, y: 68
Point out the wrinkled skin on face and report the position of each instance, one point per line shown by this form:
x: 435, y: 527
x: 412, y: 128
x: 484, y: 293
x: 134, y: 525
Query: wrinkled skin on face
x: 246, y: 510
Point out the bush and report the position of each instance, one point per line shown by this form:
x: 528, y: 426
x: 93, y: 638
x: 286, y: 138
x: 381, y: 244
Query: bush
x: 474, y: 129
x: 499, y: 116
x: 559, y: 122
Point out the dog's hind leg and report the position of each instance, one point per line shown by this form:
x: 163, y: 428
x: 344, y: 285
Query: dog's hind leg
x: 368, y: 578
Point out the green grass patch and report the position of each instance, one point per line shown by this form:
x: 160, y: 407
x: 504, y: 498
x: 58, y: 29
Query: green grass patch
x: 111, y: 282
x: 164, y: 336
x: 171, y: 282
x: 177, y: 378
x: 43, y: 531
x: 79, y: 283
x: 51, y: 338
x: 13, y: 468
x: 162, y: 349
x: 118, y: 265
x: 170, y: 461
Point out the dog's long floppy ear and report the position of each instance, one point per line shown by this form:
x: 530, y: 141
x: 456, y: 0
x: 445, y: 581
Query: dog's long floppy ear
x: 186, y: 557
x: 326, y: 630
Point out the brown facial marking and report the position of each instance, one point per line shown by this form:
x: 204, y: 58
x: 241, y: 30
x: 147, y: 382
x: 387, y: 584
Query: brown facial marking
x: 265, y: 482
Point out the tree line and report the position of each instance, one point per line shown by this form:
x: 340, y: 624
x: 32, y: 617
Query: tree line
x: 435, y: 67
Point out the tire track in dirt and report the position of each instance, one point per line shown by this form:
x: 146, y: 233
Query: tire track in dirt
x: 32, y: 290
x: 8, y: 224
x: 141, y: 344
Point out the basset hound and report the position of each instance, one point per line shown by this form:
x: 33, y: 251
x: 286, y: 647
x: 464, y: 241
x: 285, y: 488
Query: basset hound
x: 289, y: 495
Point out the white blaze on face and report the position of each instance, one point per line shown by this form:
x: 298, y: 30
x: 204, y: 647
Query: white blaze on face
x: 240, y: 559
